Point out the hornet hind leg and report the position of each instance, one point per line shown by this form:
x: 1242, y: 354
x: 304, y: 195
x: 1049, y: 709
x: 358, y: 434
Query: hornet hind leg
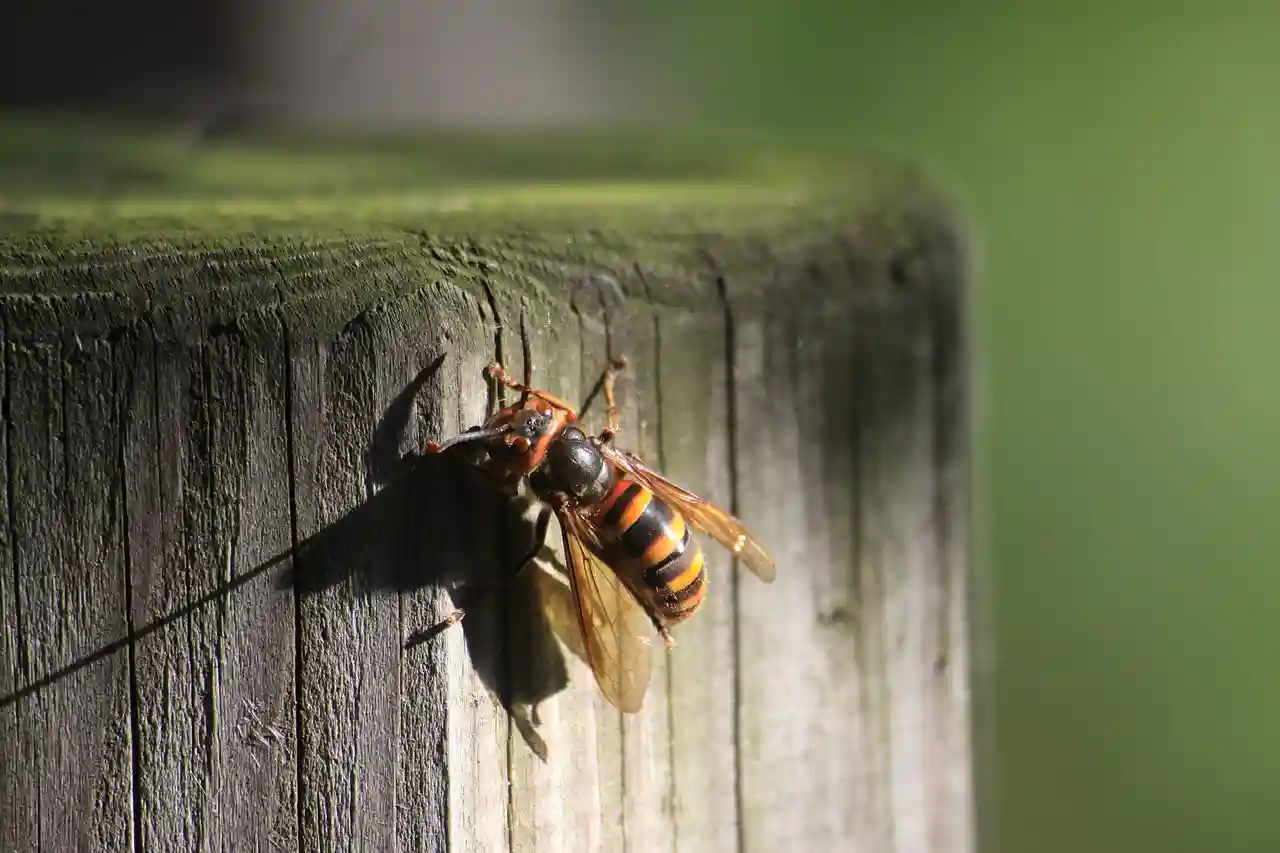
x: 606, y: 383
x: 539, y: 539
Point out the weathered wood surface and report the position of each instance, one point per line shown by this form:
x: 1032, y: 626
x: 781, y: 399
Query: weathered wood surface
x: 217, y: 555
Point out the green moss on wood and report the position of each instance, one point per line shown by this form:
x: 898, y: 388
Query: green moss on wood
x: 147, y: 218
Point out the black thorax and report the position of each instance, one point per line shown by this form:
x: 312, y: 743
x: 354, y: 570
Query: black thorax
x: 573, y: 467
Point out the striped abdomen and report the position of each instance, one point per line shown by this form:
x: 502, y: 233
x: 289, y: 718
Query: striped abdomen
x: 652, y: 548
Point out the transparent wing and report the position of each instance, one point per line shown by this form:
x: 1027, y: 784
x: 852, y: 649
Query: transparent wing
x: 616, y: 632
x: 558, y: 606
x: 720, y: 525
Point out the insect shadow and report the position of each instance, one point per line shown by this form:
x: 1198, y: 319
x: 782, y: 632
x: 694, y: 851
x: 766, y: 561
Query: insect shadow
x: 430, y: 523
x: 433, y: 522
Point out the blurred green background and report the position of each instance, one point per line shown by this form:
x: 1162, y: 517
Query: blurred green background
x: 1121, y: 164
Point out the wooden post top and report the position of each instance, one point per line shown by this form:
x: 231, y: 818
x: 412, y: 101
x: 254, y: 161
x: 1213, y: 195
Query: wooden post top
x: 216, y: 543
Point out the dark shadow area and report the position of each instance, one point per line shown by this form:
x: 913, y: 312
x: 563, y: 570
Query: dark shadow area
x: 438, y: 523
x: 509, y: 639
x: 216, y: 594
x: 383, y: 461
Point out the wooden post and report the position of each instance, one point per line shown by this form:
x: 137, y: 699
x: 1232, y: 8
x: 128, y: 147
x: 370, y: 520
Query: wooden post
x: 217, y: 550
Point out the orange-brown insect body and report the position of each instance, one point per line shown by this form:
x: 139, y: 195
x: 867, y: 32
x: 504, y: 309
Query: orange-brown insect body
x: 631, y: 559
x: 532, y: 427
x: 652, y: 547
x: 636, y: 533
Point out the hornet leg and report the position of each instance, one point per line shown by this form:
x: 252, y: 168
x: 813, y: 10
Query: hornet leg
x: 499, y: 373
x: 606, y: 383
x: 506, y: 481
x: 610, y: 375
x: 539, y: 538
x: 433, y: 446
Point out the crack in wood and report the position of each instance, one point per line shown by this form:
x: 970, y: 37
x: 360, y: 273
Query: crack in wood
x: 290, y: 428
x: 124, y: 377
x: 22, y: 672
x: 732, y: 461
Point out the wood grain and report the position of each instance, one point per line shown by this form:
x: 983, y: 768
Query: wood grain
x: 609, y: 795
x: 207, y: 482
x: 16, y: 821
x: 556, y: 760
x: 786, y: 709
x: 480, y: 728
x: 694, y: 413
x: 66, y: 527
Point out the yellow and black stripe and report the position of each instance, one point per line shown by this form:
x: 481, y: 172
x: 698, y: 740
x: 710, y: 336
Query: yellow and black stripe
x: 649, y: 544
